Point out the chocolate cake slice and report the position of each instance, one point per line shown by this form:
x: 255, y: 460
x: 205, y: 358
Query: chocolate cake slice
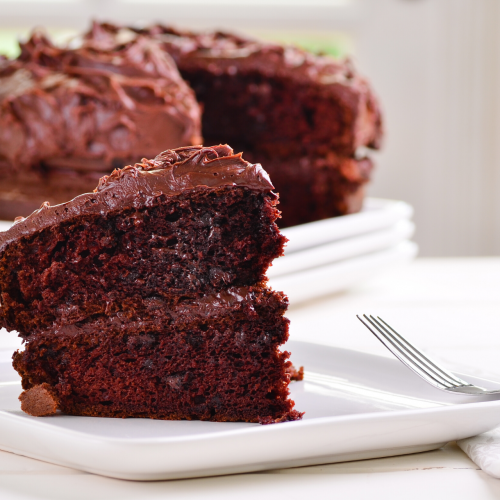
x: 147, y: 297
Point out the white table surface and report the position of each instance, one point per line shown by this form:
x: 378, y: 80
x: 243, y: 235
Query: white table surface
x: 450, y: 307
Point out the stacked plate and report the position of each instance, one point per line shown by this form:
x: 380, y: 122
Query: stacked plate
x: 329, y: 256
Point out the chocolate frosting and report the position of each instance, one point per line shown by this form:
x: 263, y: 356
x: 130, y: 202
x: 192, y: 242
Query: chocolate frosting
x: 99, y: 105
x: 171, y: 173
x: 235, y: 53
x: 209, y: 306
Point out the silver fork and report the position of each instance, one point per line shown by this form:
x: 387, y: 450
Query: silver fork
x: 420, y: 363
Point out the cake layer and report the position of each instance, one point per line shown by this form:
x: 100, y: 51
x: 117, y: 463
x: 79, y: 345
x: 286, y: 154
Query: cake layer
x: 316, y: 187
x: 216, y: 358
x: 96, y: 107
x: 190, y: 222
x: 276, y: 99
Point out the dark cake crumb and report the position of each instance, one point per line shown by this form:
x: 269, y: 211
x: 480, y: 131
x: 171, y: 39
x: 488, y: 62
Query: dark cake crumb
x: 296, y: 375
x: 39, y: 401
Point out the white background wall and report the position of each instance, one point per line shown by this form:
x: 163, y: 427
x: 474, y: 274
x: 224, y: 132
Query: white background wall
x: 434, y: 63
x: 436, y: 67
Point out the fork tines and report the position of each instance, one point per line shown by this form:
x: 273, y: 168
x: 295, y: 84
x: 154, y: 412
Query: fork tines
x: 412, y: 357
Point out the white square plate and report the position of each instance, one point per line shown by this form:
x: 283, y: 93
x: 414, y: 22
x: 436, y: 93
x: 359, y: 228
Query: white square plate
x: 357, y: 406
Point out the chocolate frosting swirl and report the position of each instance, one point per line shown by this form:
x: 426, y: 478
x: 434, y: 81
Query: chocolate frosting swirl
x: 101, y: 104
x: 170, y: 173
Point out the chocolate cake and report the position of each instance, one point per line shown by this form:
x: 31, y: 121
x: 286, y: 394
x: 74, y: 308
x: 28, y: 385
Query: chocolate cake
x: 70, y: 115
x: 283, y: 106
x: 148, y: 296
